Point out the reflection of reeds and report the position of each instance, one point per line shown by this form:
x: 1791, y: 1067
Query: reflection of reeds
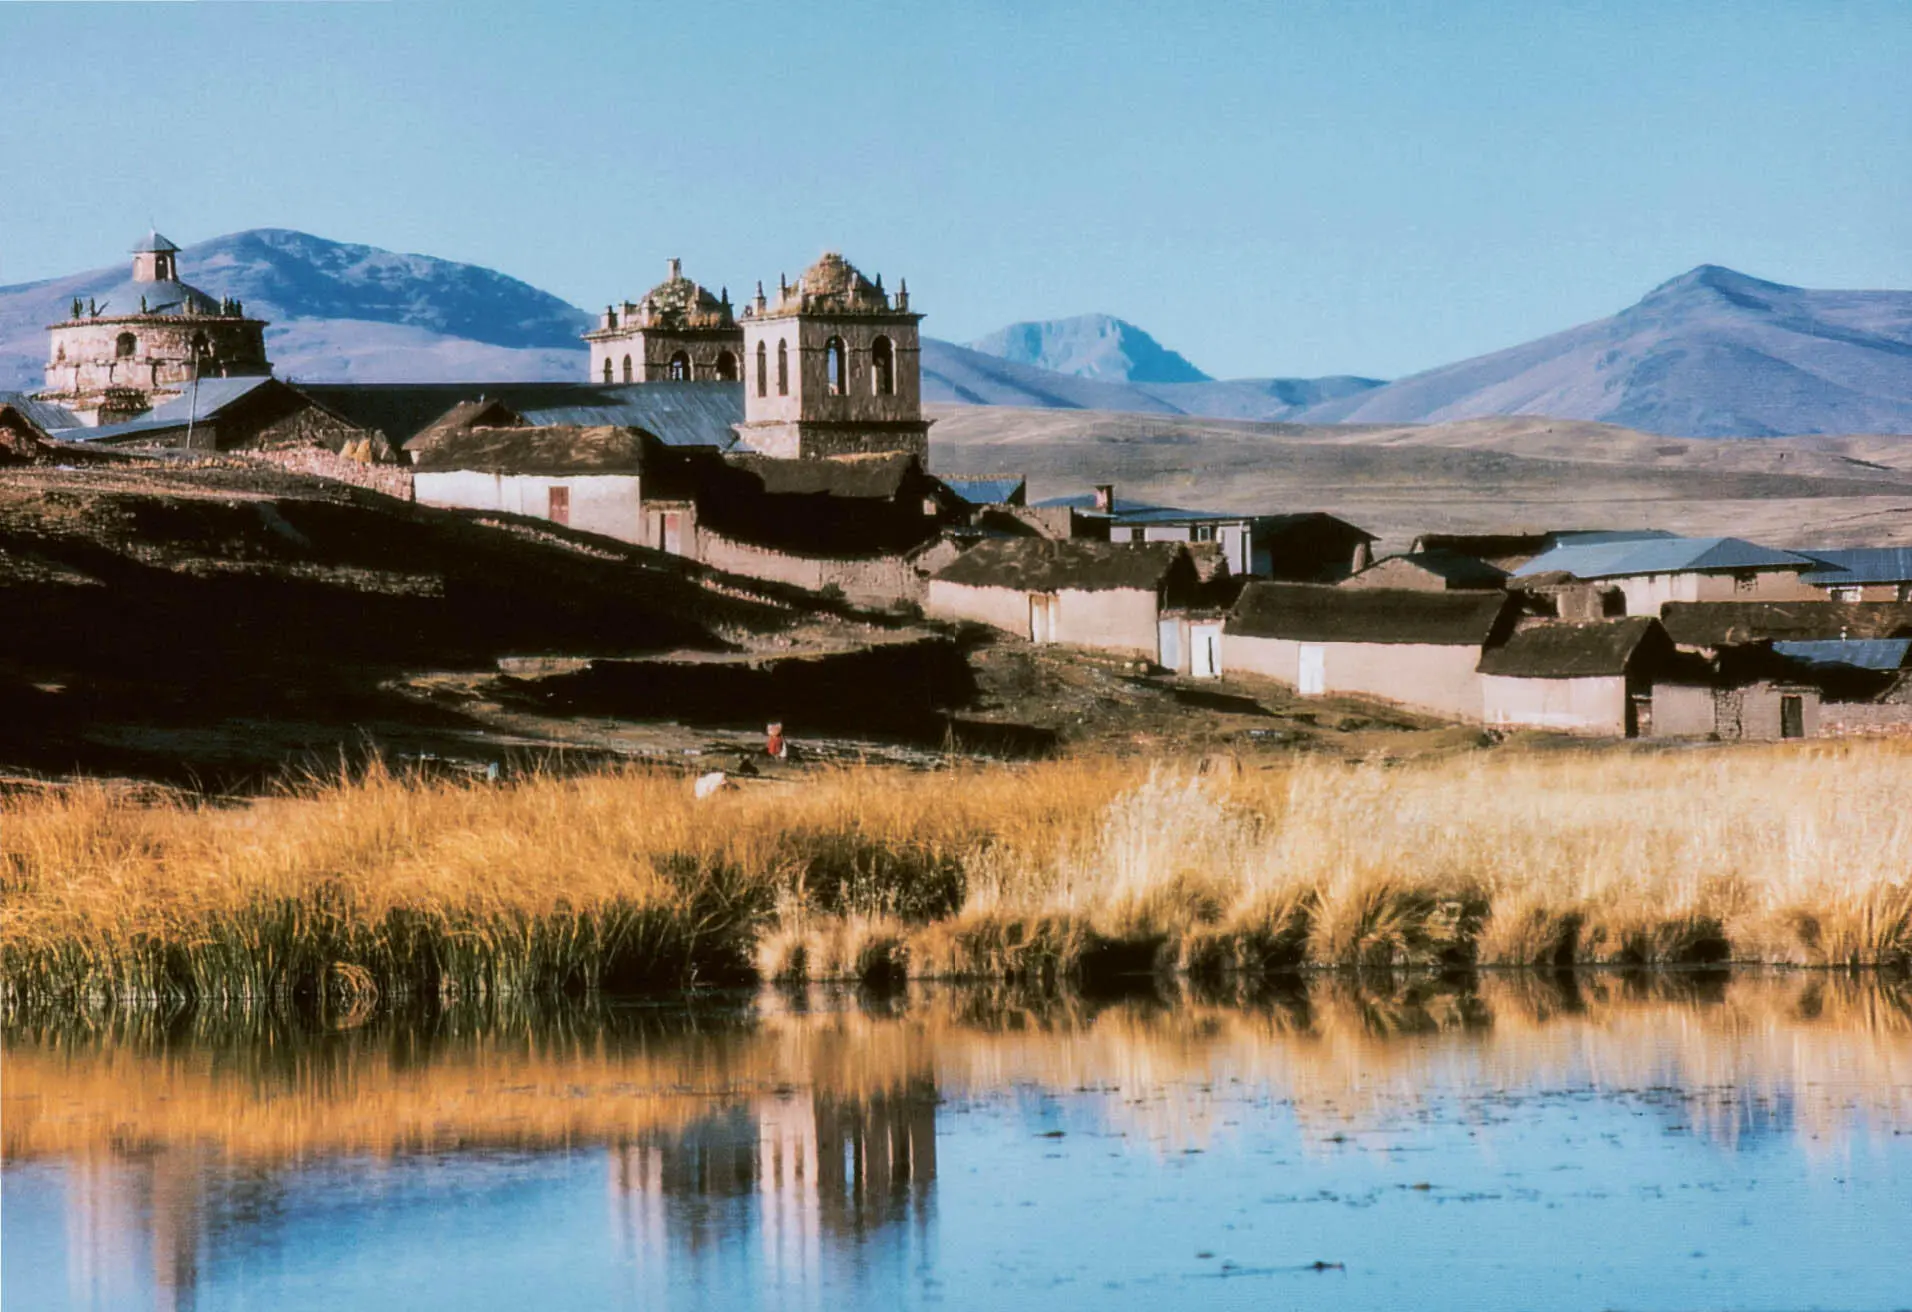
x: 379, y: 887
x: 1828, y: 1048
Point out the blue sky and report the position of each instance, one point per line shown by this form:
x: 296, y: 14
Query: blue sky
x: 1287, y: 187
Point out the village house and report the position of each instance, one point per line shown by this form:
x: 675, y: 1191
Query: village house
x: 256, y: 413
x: 1079, y: 593
x: 1438, y: 570
x: 1638, y: 576
x: 1860, y: 573
x: 591, y: 479
x: 1308, y: 547
x: 1586, y: 676
x: 146, y: 341
x: 1415, y: 648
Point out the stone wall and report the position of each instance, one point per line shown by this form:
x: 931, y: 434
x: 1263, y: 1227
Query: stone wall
x: 810, y: 420
x: 84, y: 358
x: 649, y: 352
x: 392, y: 480
x: 865, y: 580
x: 1865, y: 720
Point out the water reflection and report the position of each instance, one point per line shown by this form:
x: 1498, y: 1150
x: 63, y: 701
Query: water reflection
x: 790, y: 1143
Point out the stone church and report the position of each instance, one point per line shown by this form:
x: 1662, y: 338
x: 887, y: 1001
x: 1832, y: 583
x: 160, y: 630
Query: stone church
x: 146, y: 341
x: 831, y: 367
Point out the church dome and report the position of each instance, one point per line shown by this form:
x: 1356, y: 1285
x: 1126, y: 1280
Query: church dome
x: 163, y: 296
x: 833, y: 283
x: 677, y: 302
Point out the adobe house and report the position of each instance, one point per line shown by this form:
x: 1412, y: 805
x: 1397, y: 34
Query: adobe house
x: 1305, y: 548
x: 590, y: 479
x: 1430, y: 571
x: 1589, y: 676
x: 1638, y: 576
x: 1861, y: 573
x: 1769, y: 689
x: 1084, y: 594
x: 1711, y: 628
x: 1415, y: 648
x: 243, y: 414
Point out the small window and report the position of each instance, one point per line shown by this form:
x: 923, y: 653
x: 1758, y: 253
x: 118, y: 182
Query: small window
x: 1848, y: 594
x: 1745, y: 583
x: 125, y: 345
x: 680, y: 367
x: 201, y: 346
x: 883, y: 367
x: 1202, y: 533
x: 783, y: 369
x: 836, y: 366
x: 627, y: 369
x: 558, y: 507
x: 763, y: 370
x: 727, y: 367
x: 607, y: 372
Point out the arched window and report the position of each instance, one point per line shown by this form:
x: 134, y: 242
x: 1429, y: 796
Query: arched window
x: 680, y: 367
x: 763, y: 370
x: 727, y: 366
x: 627, y: 369
x: 125, y: 346
x: 200, y: 345
x: 607, y: 372
x: 883, y: 367
x: 783, y: 368
x: 836, y: 366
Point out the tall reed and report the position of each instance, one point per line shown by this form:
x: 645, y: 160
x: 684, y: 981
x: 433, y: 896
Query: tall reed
x: 376, y: 885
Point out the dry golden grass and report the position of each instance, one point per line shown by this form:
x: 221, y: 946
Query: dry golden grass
x: 378, y: 885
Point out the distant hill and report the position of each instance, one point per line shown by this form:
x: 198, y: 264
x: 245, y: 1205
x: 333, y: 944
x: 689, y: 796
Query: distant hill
x: 962, y: 376
x: 1098, y: 346
x: 340, y: 313
x: 1713, y: 353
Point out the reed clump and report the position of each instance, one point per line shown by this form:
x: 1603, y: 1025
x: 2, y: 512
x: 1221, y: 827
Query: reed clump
x: 376, y: 886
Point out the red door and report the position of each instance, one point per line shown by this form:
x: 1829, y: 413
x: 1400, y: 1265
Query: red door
x: 560, y: 506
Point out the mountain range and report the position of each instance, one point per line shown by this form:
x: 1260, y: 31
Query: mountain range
x: 1712, y: 353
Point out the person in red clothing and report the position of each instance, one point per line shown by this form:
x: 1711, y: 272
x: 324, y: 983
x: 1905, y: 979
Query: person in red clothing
x: 774, y: 745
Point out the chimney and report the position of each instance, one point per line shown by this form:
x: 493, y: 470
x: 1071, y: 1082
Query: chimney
x: 1105, y: 498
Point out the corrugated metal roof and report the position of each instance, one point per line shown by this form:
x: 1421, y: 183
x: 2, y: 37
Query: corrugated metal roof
x: 680, y: 414
x: 1857, y: 653
x: 214, y: 395
x: 50, y: 417
x: 1860, y: 565
x: 1141, y: 512
x: 984, y: 491
x: 1630, y: 556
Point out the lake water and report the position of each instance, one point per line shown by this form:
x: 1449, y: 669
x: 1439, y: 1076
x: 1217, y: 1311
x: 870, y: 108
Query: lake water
x: 1503, y: 1141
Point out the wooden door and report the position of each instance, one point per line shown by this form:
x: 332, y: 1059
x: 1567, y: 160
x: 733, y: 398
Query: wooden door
x: 558, y: 507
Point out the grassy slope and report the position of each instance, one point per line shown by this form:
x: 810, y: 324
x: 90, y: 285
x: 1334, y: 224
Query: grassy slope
x: 1477, y: 475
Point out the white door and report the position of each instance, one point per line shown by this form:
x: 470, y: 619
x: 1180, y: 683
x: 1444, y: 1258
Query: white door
x: 1312, y: 676
x: 1205, y: 643
x: 1042, y: 618
x: 1168, y: 644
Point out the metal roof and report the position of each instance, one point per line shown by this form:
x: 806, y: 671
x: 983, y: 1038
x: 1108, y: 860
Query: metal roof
x: 1140, y: 512
x: 984, y: 491
x: 678, y: 413
x: 51, y: 418
x: 214, y: 395
x: 153, y: 243
x: 1631, y: 556
x: 1857, y: 653
x: 1860, y: 565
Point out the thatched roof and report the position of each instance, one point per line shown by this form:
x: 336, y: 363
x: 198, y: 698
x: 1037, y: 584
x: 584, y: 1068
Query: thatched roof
x: 1049, y: 565
x: 1307, y: 612
x: 1555, y: 649
x: 557, y: 450
x: 1715, y: 624
x: 880, y: 477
